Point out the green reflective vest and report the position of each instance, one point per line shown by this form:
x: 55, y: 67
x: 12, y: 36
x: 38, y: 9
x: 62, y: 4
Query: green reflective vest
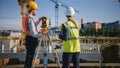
x: 72, y: 42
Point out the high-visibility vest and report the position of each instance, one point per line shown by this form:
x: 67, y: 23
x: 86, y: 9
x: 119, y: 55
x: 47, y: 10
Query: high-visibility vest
x: 25, y: 27
x: 72, y: 42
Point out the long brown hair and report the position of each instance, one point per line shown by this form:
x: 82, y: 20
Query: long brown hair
x: 70, y: 18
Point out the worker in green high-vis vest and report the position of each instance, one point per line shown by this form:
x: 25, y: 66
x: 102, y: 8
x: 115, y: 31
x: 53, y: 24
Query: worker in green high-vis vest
x: 70, y: 36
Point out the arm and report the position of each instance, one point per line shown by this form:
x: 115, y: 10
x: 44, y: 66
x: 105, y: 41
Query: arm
x: 38, y: 21
x: 32, y: 28
x: 82, y: 28
x: 63, y: 31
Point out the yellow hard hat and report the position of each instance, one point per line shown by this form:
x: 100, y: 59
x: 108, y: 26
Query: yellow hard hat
x: 32, y: 5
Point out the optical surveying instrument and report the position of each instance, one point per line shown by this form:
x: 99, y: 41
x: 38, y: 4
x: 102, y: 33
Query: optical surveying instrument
x: 45, y: 42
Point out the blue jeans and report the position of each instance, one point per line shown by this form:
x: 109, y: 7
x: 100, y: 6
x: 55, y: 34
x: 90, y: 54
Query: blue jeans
x: 68, y: 57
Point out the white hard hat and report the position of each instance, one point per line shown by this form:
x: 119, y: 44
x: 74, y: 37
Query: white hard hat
x: 70, y: 11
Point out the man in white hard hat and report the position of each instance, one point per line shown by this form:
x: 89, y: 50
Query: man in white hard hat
x: 70, y: 36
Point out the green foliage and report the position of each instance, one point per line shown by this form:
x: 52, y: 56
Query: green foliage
x: 101, y: 32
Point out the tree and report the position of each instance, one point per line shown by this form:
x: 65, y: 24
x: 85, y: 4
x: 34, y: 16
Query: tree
x: 90, y: 32
x: 105, y: 32
x: 100, y: 32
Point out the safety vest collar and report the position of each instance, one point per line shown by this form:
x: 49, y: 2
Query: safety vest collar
x: 67, y: 24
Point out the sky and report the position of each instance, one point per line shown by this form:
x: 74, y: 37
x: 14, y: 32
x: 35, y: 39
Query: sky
x: 103, y: 11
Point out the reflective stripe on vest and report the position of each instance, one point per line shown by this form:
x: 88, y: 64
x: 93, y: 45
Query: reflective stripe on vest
x: 69, y: 32
x: 25, y: 27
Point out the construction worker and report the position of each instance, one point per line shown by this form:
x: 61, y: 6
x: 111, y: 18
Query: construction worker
x: 29, y: 27
x: 70, y: 36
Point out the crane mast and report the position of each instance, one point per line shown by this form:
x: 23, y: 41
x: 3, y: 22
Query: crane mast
x: 57, y: 5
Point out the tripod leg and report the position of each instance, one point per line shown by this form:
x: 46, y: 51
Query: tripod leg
x: 45, y: 62
x: 54, y: 52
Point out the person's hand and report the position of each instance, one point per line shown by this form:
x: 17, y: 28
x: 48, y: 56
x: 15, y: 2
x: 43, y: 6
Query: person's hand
x: 38, y: 21
x: 58, y: 32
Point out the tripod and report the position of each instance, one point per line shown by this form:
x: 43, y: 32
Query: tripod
x: 46, y: 41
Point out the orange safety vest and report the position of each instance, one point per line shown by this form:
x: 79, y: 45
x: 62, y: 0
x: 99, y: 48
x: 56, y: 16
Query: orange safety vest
x: 25, y: 24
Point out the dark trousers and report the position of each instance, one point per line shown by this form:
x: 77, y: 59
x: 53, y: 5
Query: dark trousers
x: 68, y: 57
x: 30, y: 50
x: 31, y: 44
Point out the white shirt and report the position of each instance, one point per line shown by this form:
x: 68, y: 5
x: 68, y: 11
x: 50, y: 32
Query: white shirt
x: 32, y: 27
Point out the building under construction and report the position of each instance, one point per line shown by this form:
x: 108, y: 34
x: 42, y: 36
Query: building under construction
x: 100, y: 52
